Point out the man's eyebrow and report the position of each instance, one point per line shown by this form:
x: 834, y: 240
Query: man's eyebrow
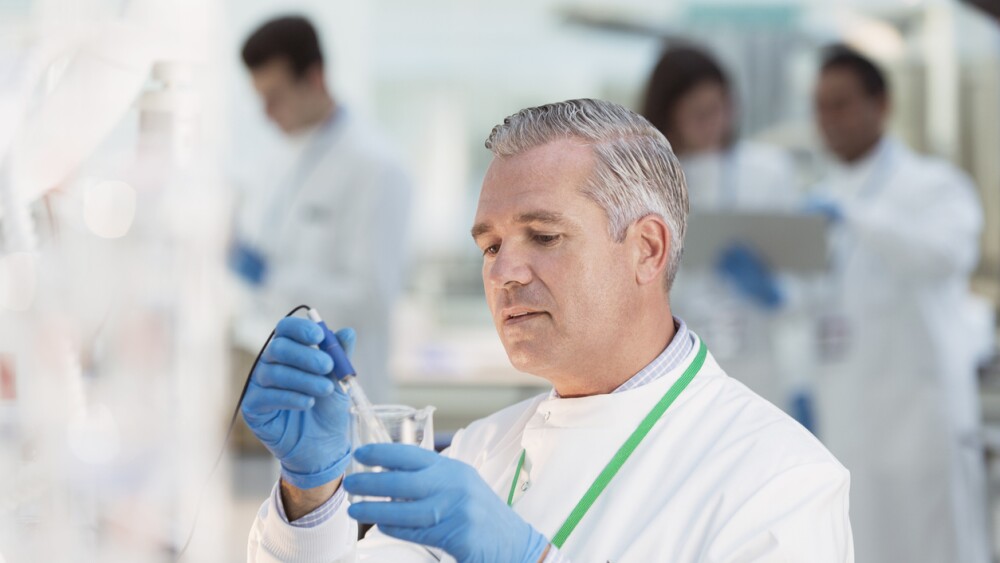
x: 550, y: 217
x: 480, y: 229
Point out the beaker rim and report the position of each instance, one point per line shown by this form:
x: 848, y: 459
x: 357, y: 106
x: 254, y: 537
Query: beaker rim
x: 391, y: 409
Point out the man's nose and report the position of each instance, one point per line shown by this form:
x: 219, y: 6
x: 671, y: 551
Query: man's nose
x: 510, y: 266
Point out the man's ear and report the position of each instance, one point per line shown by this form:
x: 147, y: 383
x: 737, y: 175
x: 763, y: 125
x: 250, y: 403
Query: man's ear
x: 650, y: 241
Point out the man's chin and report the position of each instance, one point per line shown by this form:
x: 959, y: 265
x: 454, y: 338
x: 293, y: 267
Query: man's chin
x: 529, y: 359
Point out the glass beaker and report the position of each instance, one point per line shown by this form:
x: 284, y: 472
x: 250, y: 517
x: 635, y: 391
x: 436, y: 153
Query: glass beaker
x: 405, y: 425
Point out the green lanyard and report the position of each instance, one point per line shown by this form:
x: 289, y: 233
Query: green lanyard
x: 623, y: 453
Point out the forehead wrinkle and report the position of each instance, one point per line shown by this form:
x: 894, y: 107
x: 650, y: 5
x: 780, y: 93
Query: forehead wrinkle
x: 540, y: 216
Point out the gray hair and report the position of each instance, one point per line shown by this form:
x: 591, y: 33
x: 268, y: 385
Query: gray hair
x: 637, y: 173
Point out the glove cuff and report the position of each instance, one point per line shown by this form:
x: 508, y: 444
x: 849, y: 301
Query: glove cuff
x: 536, y: 546
x: 316, y: 478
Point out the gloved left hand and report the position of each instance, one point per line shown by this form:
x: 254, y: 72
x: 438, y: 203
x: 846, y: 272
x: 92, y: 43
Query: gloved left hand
x: 440, y: 502
x: 751, y: 276
x: 248, y: 263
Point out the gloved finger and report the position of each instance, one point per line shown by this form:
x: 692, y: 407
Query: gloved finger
x: 286, y: 351
x: 265, y: 401
x: 299, y: 329
x: 416, y: 514
x: 347, y: 338
x: 333, y: 407
x: 395, y: 484
x: 277, y: 376
x: 400, y: 457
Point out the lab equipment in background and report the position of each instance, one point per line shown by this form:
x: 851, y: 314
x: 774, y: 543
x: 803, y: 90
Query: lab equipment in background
x: 108, y: 354
x: 788, y: 242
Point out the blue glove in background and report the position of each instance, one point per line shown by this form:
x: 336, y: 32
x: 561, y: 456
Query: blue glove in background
x: 803, y: 409
x: 751, y: 276
x: 825, y: 207
x: 440, y: 502
x: 248, y: 263
x: 294, y: 408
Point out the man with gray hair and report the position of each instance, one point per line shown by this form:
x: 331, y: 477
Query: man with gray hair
x: 643, y: 451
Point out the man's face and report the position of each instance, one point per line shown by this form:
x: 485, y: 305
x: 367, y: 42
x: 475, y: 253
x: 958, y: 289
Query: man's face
x: 703, y: 118
x: 287, y: 98
x: 558, y: 287
x: 850, y: 119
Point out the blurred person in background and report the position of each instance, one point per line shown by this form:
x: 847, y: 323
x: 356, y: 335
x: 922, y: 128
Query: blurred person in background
x: 331, y: 234
x: 898, y: 402
x: 689, y: 98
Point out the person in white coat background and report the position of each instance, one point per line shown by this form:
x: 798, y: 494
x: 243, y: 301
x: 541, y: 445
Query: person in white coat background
x: 741, y: 303
x: 897, y: 398
x: 331, y: 233
x: 643, y: 451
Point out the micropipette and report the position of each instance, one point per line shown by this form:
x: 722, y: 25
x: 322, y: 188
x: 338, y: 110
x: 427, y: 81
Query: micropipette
x: 346, y: 377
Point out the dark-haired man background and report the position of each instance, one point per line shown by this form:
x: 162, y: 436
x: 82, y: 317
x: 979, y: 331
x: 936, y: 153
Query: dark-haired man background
x: 898, y: 403
x: 331, y: 233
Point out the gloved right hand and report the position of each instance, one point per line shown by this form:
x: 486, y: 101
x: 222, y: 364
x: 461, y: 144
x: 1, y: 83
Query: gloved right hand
x: 294, y: 408
x: 751, y: 276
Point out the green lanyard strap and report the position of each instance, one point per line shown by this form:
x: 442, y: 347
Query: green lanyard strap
x: 517, y: 473
x: 623, y: 453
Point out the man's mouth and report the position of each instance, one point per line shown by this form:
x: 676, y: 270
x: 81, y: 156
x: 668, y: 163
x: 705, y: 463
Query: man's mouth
x: 516, y: 316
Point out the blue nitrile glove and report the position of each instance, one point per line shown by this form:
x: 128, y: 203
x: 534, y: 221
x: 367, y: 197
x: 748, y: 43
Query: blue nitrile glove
x: 826, y: 207
x: 803, y: 409
x: 440, y: 502
x: 248, y: 263
x: 751, y: 276
x: 295, y: 409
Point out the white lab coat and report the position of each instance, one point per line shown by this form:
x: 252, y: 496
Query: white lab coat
x: 333, y: 234
x: 724, y: 476
x: 900, y: 406
x: 749, y: 177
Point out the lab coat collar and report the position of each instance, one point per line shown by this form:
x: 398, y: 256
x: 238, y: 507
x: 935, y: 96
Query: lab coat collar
x: 306, y: 138
x: 866, y: 163
x: 613, y: 409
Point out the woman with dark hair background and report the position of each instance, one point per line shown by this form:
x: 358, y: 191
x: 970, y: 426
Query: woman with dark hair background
x: 690, y: 100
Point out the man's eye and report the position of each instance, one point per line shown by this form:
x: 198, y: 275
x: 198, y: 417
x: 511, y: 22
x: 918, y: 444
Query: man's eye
x: 546, y: 239
x: 491, y: 250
